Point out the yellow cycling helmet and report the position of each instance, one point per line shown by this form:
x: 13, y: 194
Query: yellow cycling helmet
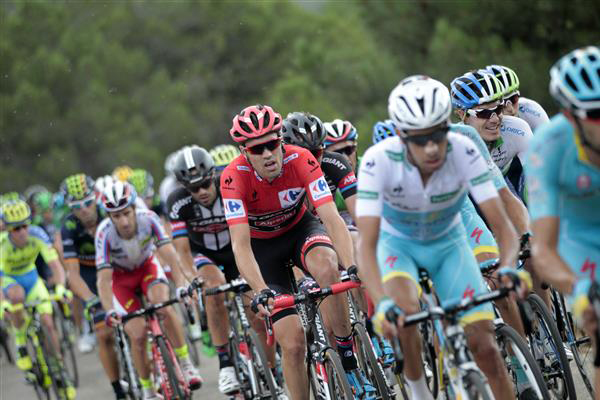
x: 223, y: 154
x: 122, y: 173
x: 143, y: 182
x: 15, y: 213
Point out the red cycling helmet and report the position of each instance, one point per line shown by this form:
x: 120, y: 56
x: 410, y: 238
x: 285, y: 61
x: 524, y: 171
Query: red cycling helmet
x: 253, y: 122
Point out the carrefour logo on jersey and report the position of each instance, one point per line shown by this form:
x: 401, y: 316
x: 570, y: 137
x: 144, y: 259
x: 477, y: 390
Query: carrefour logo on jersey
x: 234, y: 208
x: 319, y: 189
x: 289, y: 197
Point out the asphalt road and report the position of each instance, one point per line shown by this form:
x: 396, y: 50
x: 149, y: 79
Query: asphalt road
x: 94, y: 385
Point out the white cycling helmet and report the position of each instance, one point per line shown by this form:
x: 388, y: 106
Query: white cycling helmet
x: 103, y: 182
x: 118, y: 196
x: 419, y: 102
x: 170, y: 163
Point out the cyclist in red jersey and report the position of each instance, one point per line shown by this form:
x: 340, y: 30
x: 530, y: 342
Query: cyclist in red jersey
x: 263, y: 193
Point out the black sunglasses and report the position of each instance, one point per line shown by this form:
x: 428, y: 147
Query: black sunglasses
x: 348, y: 150
x: 436, y: 136
x: 205, y: 184
x: 514, y: 98
x: 260, y: 148
x: 487, y: 113
x: 18, y: 228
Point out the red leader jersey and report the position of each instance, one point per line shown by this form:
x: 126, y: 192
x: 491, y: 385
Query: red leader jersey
x: 271, y: 209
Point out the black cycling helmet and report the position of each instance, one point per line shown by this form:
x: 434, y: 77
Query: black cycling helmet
x: 193, y: 164
x: 304, y: 130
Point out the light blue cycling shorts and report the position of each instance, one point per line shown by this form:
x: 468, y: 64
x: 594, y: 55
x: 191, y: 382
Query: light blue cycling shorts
x: 449, y: 262
x: 479, y: 236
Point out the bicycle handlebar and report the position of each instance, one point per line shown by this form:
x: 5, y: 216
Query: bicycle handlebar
x: 236, y: 285
x: 286, y: 301
x: 452, y: 309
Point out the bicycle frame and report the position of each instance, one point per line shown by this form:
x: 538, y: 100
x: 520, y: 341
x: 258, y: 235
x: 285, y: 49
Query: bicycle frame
x: 316, y: 337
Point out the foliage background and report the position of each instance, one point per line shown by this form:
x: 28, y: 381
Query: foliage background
x: 86, y: 86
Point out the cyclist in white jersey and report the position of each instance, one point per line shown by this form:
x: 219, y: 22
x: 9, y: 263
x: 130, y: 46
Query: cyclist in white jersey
x: 411, y: 189
x: 528, y: 110
x: 125, y: 245
x: 507, y: 137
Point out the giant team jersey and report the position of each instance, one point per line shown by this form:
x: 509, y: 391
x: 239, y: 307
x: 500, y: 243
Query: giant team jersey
x: 129, y: 254
x: 563, y: 183
x: 205, y: 227
x: 515, y: 135
x: 21, y: 260
x: 273, y: 208
x: 390, y: 187
x: 532, y: 112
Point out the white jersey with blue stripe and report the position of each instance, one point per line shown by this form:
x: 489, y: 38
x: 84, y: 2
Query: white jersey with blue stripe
x: 515, y: 135
x: 532, y: 112
x: 391, y: 187
x: 114, y: 251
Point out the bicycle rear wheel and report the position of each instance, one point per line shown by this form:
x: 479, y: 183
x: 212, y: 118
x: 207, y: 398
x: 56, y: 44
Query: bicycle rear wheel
x: 368, y: 361
x: 509, y: 339
x: 173, y: 384
x: 547, y: 347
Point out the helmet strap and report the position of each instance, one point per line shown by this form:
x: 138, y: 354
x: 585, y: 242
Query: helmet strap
x: 584, y: 141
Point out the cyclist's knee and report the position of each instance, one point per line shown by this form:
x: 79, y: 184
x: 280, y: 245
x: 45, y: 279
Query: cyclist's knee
x: 211, y: 275
x: 482, y: 342
x: 324, y: 266
x: 16, y: 294
x: 136, y: 331
x: 105, y: 335
x: 291, y: 338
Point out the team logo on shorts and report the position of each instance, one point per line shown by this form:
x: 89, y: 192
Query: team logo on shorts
x: 234, y: 208
x: 319, y: 189
x: 290, y: 197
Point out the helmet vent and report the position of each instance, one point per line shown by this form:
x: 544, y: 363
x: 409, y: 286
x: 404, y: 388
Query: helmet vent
x: 586, y: 78
x: 571, y: 83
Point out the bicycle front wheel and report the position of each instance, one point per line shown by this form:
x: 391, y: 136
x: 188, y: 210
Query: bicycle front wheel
x: 265, y: 381
x: 581, y: 347
x: 172, y: 383
x: 337, y: 384
x: 476, y: 386
x: 368, y: 361
x: 65, y: 329
x: 548, y: 348
x: 511, y: 343
x: 37, y: 371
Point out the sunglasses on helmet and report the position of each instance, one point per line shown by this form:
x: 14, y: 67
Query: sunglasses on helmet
x: 486, y: 113
x: 85, y: 203
x: 436, y: 136
x: 260, y: 148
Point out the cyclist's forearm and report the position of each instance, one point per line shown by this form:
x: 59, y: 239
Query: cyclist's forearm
x: 58, y: 273
x: 248, y: 267
x: 552, y: 269
x: 342, y: 241
x: 367, y: 257
x: 516, y: 210
x: 167, y: 252
x: 79, y: 287
x: 105, y: 288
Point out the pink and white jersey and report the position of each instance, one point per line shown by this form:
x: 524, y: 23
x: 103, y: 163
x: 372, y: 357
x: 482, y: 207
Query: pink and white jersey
x: 112, y: 251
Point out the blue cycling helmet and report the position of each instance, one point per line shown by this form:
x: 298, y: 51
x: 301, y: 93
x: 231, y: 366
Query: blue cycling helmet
x: 475, y: 88
x: 383, y: 130
x: 575, y: 81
